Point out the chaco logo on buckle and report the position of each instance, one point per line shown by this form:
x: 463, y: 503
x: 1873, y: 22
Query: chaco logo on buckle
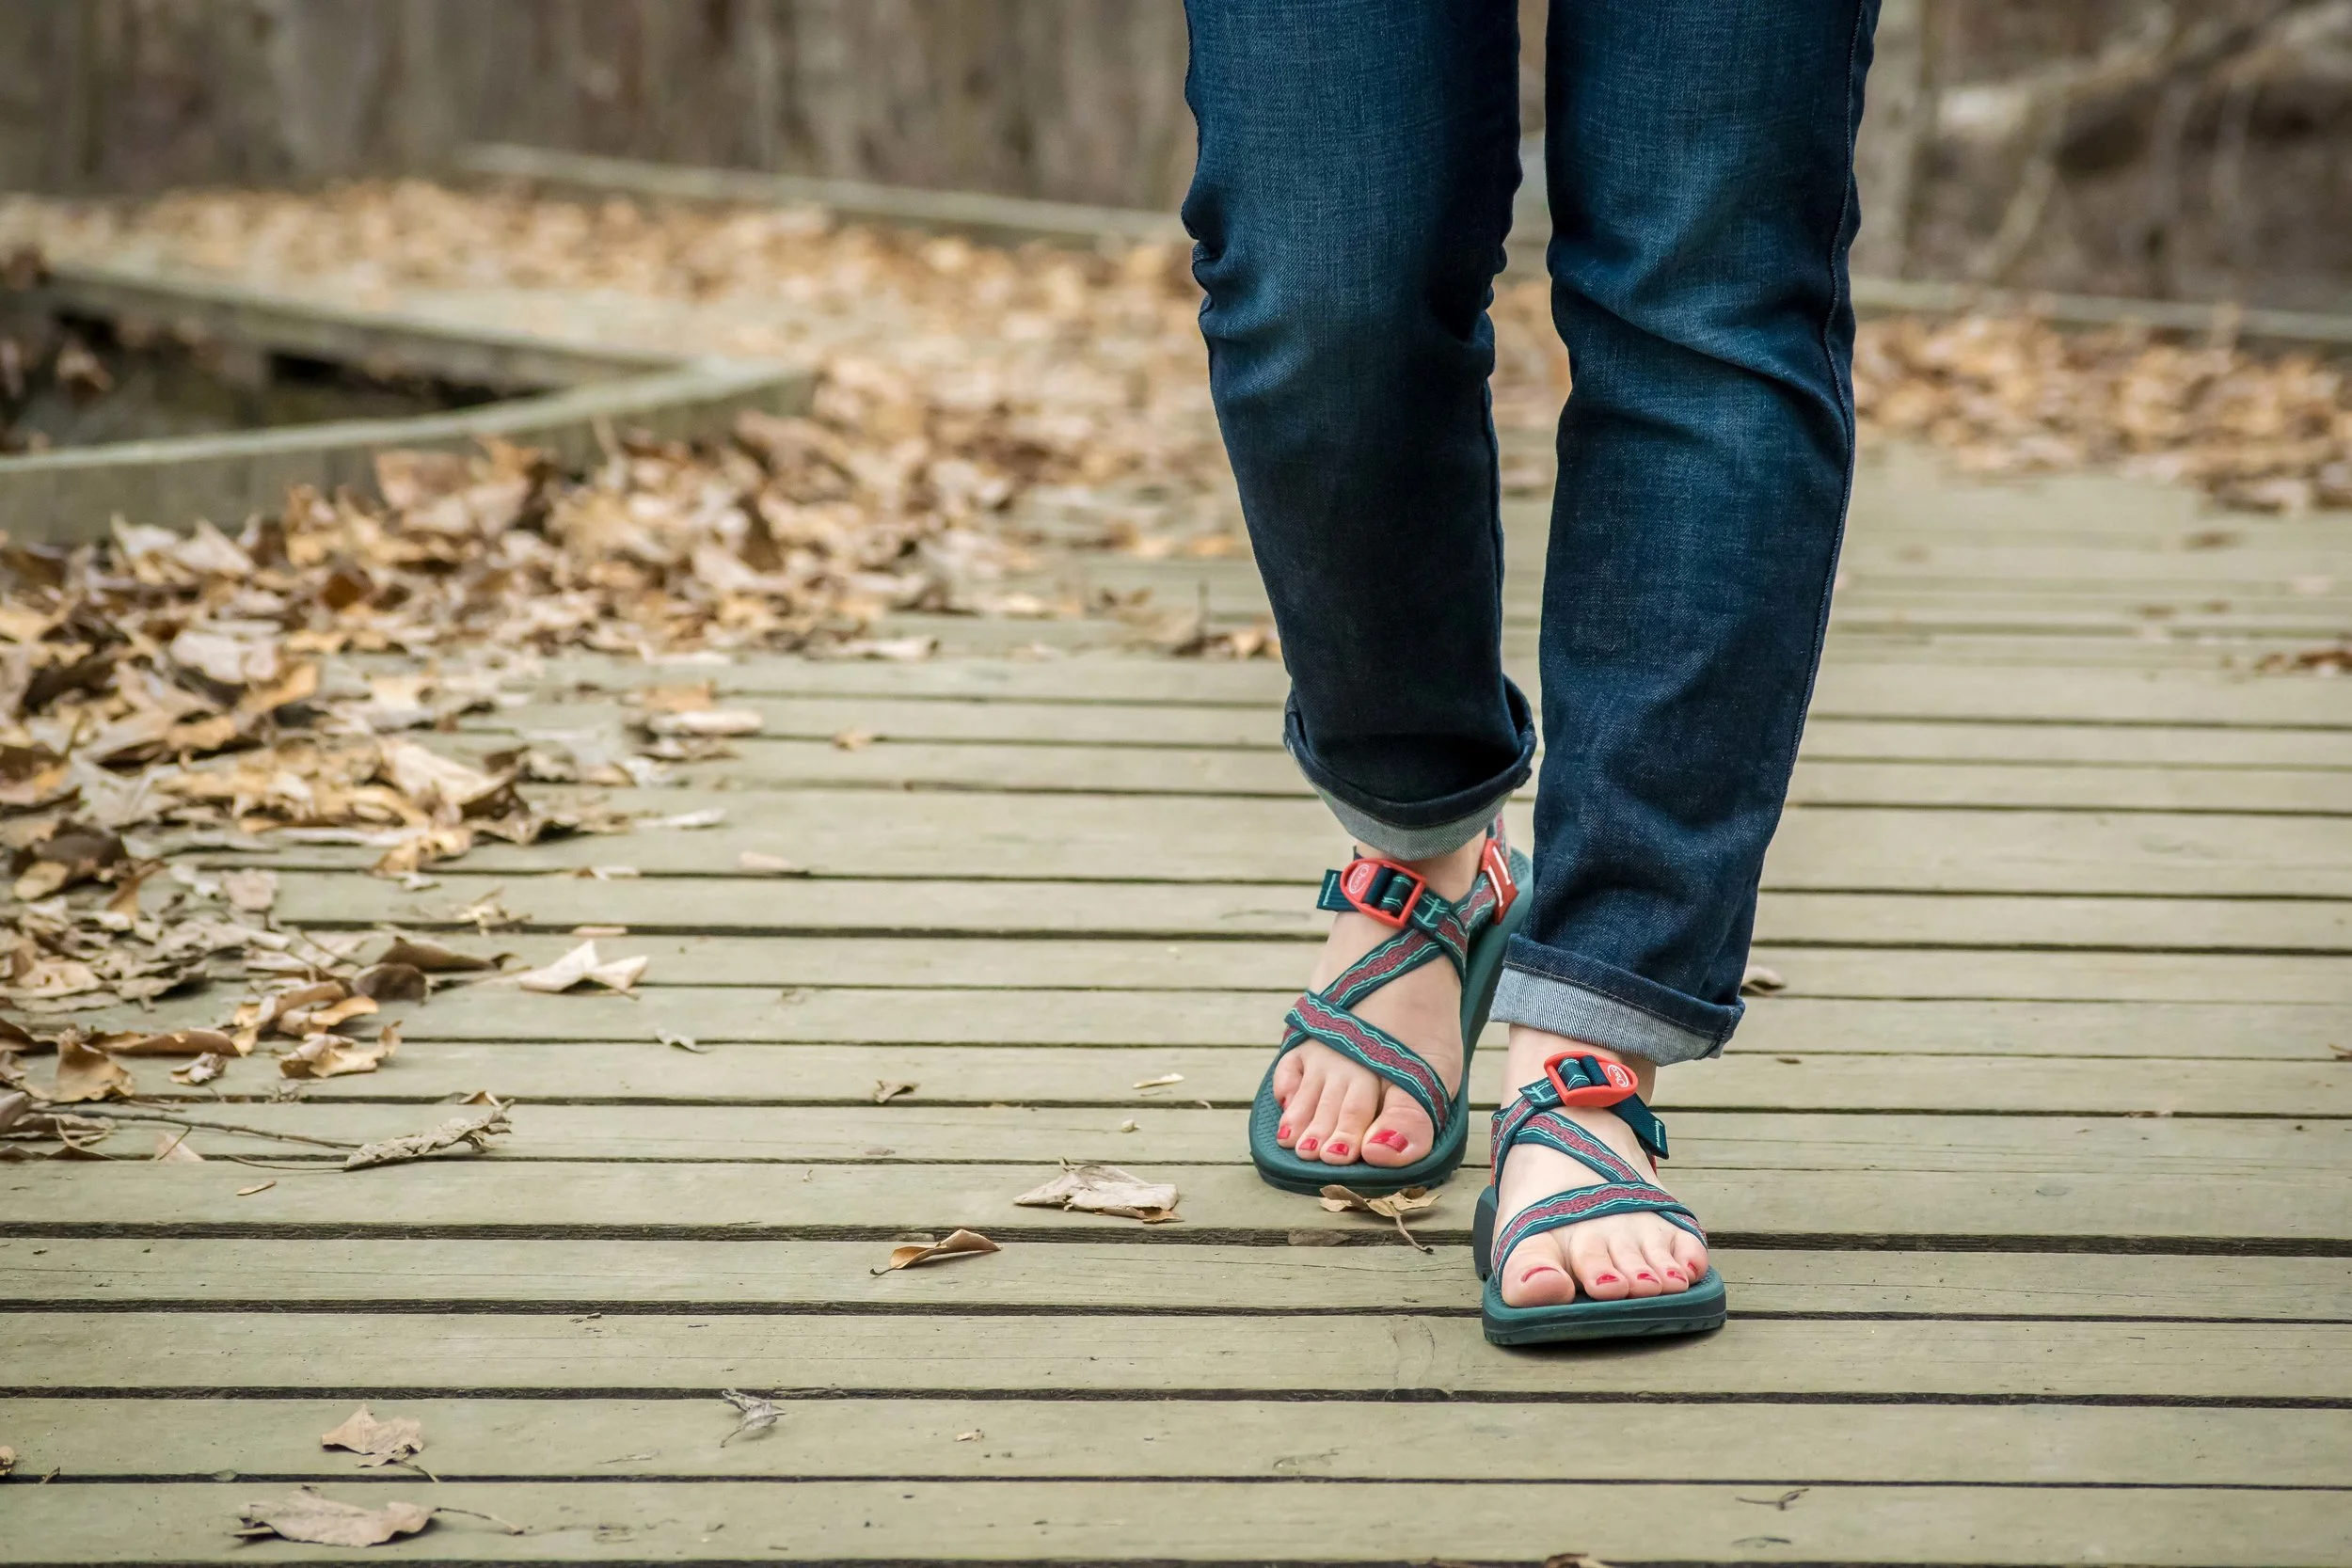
x: 1356, y: 887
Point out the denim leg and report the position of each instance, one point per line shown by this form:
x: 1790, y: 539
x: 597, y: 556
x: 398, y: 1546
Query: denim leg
x: 1700, y: 156
x: 1358, y: 160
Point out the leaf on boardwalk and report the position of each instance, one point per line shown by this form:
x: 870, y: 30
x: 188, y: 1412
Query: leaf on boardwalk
x: 898, y: 650
x: 706, y: 724
x: 1392, y: 1207
x: 377, y: 1442
x: 171, y: 1148
x: 1761, y: 980
x: 7, y: 1459
x: 203, y: 1070
x: 579, y: 967
x: 321, y: 1521
x: 391, y: 983
x: 682, y: 1042
x: 250, y: 891
x: 1574, y: 1559
x: 772, y: 865
x: 1098, y: 1189
x: 888, y: 1090
x: 854, y: 740
x: 433, y: 959
x: 333, y: 1056
x: 959, y: 1243
x: 257, y: 1187
x: 758, y: 1414
x: 686, y: 821
x: 1162, y: 1081
x: 84, y: 1074
x: 2340, y: 1053
x: 473, y: 1132
x: 178, y: 1042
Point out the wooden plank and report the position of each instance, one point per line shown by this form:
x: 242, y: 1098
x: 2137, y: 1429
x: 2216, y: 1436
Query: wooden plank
x: 1095, y: 1353
x: 2078, y: 1202
x: 193, y: 1439
x: 865, y: 833
x: 647, y: 1072
x: 1154, y: 1022
x: 1059, y: 770
x: 1029, y: 1134
x: 1107, y: 1521
x: 1881, y: 691
x: 1087, y: 913
x: 1177, y: 726
x: 261, y: 1274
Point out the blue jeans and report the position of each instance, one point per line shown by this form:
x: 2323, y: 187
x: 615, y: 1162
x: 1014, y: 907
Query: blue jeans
x: 1357, y: 162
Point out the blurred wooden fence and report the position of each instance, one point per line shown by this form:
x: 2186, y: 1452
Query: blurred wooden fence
x: 1080, y: 99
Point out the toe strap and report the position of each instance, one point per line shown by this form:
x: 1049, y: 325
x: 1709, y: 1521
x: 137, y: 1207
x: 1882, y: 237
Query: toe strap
x: 1579, y: 1204
x: 1316, y: 1017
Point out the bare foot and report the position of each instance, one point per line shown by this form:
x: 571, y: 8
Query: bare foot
x: 1607, y: 1258
x: 1340, y: 1112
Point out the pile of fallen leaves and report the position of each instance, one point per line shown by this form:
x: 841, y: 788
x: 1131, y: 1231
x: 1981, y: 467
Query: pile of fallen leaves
x: 2013, y: 393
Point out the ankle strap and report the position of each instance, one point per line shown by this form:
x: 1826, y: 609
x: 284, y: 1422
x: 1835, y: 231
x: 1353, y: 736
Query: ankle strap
x: 1585, y: 1081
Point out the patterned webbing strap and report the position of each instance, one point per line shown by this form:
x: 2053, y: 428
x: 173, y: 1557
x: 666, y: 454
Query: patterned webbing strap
x: 1535, y: 1117
x: 1431, y: 928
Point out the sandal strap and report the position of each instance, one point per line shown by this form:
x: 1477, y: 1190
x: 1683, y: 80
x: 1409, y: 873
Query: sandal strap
x: 1585, y: 1081
x: 1578, y: 1204
x: 1316, y: 1017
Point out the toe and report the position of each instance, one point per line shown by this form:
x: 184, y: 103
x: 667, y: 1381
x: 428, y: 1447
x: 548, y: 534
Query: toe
x: 1315, y: 1129
x: 1624, y: 1252
x: 1288, y: 1072
x: 1691, y: 1252
x: 1299, y: 1106
x: 1537, y: 1273
x: 1596, y: 1271
x: 1358, y: 1102
x: 1400, y: 1134
x: 1658, y: 1253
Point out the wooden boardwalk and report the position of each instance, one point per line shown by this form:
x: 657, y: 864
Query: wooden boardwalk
x: 2033, y: 1189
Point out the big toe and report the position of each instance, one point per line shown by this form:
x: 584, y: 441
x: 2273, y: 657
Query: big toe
x: 1400, y: 1134
x: 1537, y: 1273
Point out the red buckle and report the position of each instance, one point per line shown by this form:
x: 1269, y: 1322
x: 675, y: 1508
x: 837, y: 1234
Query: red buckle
x: 1620, y: 1085
x: 1496, y: 862
x: 1356, y: 881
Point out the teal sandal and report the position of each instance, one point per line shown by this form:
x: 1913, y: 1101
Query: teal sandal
x: 1534, y: 1117
x: 1470, y: 934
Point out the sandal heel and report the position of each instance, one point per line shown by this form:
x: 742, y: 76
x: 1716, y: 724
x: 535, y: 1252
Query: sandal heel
x: 1482, y: 1233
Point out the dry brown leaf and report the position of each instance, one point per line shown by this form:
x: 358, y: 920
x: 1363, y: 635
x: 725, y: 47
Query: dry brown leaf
x: 473, y: 1132
x: 252, y: 890
x: 327, y: 1018
x: 203, y: 1070
x: 257, y: 1187
x: 685, y: 821
x: 1574, y: 1559
x: 1760, y: 980
x: 888, y: 1090
x: 706, y: 724
x: 1100, y: 1189
x: 433, y: 959
x: 901, y: 650
x: 171, y: 1148
x: 308, y: 1517
x: 385, y: 982
x: 1161, y: 1081
x: 180, y: 1042
x: 1392, y: 1207
x: 86, y: 1074
x: 7, y: 1460
x: 681, y: 1042
x: 772, y: 865
x: 333, y: 1056
x: 854, y: 740
x: 959, y: 1243
x: 756, y: 1414
x: 377, y: 1442
x: 581, y: 966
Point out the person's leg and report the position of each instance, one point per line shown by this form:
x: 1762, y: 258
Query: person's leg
x: 1700, y: 155
x: 1358, y: 160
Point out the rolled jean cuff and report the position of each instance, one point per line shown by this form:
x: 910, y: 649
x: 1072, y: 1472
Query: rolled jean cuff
x: 1416, y: 829
x: 1566, y: 993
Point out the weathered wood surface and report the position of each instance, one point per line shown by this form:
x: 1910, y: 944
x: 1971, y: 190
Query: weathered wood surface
x: 2032, y: 1188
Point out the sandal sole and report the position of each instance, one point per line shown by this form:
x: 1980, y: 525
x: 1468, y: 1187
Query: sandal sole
x: 1700, y: 1309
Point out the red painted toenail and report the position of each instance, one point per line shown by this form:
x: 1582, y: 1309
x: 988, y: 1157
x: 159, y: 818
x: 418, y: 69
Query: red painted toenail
x: 1283, y: 1132
x: 1337, y: 1149
x: 1540, y: 1268
x: 1673, y: 1274
x: 1389, y: 1137
x: 1307, y: 1146
x: 1646, y: 1275
x: 1604, y: 1279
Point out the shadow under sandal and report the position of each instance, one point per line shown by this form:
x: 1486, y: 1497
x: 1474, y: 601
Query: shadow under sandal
x: 1469, y: 934
x: 1535, y: 1117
